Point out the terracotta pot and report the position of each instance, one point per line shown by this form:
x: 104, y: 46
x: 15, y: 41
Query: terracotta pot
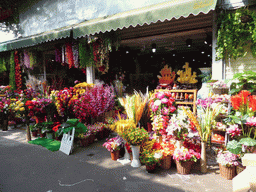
x: 151, y: 168
x: 184, y: 167
x: 227, y: 172
x: 115, y: 155
x: 166, y: 162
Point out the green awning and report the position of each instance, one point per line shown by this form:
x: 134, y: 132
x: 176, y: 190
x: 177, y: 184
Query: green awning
x: 150, y: 14
x: 35, y: 39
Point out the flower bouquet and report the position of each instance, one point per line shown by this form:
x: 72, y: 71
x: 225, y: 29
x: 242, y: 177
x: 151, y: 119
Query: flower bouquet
x: 227, y: 163
x: 113, y: 145
x: 135, y: 135
x: 161, y: 106
x: 167, y: 150
x: 151, y: 159
x: 184, y: 158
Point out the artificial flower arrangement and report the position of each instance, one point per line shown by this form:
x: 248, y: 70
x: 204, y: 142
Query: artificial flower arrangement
x: 227, y: 158
x: 94, y: 102
x: 161, y: 107
x: 5, y: 89
x: 179, y: 126
x: 185, y: 154
x: 135, y: 135
x: 150, y: 157
x: 113, y: 144
x: 4, y: 105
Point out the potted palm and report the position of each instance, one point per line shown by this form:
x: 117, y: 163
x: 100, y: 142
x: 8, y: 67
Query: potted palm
x: 135, y: 136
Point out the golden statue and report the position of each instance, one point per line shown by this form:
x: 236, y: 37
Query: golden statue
x: 167, y: 76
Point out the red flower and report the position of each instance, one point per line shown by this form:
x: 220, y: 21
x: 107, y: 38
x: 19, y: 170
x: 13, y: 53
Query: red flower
x: 244, y: 94
x: 252, y: 104
x: 236, y: 101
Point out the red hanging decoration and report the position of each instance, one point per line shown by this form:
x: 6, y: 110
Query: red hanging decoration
x: 18, y: 79
x: 69, y: 53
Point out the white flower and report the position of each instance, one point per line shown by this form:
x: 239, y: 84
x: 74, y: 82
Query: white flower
x: 157, y: 102
x: 157, y: 155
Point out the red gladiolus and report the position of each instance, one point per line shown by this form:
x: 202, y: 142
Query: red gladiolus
x: 252, y: 104
x: 236, y: 101
x: 244, y: 94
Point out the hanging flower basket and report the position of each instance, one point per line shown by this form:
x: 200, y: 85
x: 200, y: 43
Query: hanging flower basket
x: 184, y: 167
x: 227, y: 172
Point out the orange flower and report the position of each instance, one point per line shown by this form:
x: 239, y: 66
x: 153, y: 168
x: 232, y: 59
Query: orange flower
x: 252, y: 104
x: 236, y: 101
x: 244, y: 95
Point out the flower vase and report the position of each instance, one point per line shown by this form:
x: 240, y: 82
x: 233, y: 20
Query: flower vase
x: 135, y: 154
x: 151, y: 168
x: 203, y: 162
x: 126, y: 154
x: 115, y: 155
x: 227, y: 172
x: 184, y: 167
x: 166, y: 162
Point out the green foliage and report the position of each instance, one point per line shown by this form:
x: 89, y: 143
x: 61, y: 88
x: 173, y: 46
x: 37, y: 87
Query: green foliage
x: 12, y: 72
x: 243, y: 81
x: 147, y: 157
x: 2, y: 65
x: 135, y: 135
x: 236, y: 30
x: 69, y: 125
x: 85, y: 54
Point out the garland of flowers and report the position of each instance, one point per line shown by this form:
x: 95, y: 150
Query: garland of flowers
x: 69, y: 55
x: 18, y: 80
x: 2, y: 65
x: 236, y: 30
x: 85, y: 54
x: 26, y: 59
x: 12, y: 71
x: 75, y: 55
x: 32, y: 58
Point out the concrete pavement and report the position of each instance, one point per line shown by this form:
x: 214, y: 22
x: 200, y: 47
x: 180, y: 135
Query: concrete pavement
x: 31, y: 168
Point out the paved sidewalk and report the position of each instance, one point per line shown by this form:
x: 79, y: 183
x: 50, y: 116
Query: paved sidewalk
x: 26, y: 167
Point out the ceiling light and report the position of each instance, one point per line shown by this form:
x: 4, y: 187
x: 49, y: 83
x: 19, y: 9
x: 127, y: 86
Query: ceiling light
x: 153, y: 47
x: 189, y: 42
x: 208, y: 40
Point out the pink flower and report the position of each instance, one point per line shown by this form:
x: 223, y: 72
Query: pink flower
x: 251, y: 121
x: 164, y: 100
x: 165, y: 111
x: 172, y: 109
x: 160, y: 95
x: 233, y: 130
x: 154, y: 108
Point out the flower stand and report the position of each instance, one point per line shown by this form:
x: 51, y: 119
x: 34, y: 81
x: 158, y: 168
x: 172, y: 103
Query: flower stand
x: 135, y: 154
x: 184, y: 167
x: 227, y: 172
x: 166, y: 162
x: 115, y: 155
x: 151, y: 168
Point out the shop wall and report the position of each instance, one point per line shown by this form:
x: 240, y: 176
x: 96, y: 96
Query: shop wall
x: 247, y: 63
x: 47, y: 15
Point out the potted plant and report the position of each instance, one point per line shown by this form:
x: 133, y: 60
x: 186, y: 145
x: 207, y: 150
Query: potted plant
x: 227, y: 163
x: 167, y: 150
x: 113, y: 145
x: 135, y: 136
x: 184, y: 158
x: 151, y: 159
x: 47, y: 128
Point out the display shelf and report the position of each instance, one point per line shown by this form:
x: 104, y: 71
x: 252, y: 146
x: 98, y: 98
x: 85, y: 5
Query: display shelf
x: 2, y: 95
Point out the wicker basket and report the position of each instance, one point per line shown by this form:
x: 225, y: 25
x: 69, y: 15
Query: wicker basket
x: 227, y: 172
x: 166, y: 162
x: 239, y: 169
x: 184, y: 167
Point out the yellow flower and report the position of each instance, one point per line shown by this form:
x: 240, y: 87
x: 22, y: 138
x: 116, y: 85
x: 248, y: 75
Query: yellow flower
x: 22, y: 109
x: 16, y: 108
x: 21, y: 104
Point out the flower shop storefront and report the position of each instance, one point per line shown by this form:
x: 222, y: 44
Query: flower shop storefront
x: 166, y: 127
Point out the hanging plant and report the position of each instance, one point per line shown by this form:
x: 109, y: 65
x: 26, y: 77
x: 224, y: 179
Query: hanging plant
x: 69, y: 55
x: 236, y: 29
x: 12, y: 71
x: 18, y: 80
x: 85, y: 54
x: 2, y: 65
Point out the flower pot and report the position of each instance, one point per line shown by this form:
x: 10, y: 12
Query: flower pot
x: 166, y: 162
x: 151, y: 168
x: 115, y: 155
x: 135, y: 154
x: 49, y: 135
x: 126, y: 154
x: 184, y: 167
x: 227, y: 172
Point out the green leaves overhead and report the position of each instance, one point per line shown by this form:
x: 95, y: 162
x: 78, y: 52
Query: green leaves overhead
x: 236, y: 29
